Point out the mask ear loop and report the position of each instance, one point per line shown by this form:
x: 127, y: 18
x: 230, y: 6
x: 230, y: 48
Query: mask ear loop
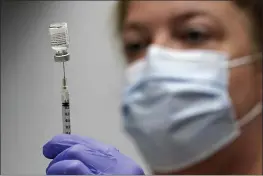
x: 253, y: 113
x: 257, y: 109
x: 244, y: 60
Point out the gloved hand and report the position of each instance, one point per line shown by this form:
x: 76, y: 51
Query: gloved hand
x: 75, y: 155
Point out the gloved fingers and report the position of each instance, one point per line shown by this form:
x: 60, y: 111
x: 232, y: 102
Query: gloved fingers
x: 62, y: 142
x: 97, y: 161
x: 69, y: 167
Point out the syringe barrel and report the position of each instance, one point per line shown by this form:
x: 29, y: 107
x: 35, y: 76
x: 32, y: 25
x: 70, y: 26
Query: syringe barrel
x: 64, y: 95
x: 65, y: 109
x: 66, y: 118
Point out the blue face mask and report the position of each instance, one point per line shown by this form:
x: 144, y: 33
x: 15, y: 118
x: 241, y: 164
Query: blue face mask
x: 177, y: 108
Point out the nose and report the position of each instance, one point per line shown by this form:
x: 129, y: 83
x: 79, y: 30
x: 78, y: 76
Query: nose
x: 162, y: 38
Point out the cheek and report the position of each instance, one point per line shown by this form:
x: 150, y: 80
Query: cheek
x: 242, y: 89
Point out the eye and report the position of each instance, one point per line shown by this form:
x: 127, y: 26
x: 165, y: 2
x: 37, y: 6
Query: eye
x: 135, y: 48
x: 194, y: 36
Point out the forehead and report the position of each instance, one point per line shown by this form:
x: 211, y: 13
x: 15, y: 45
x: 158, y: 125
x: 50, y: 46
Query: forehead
x: 151, y: 11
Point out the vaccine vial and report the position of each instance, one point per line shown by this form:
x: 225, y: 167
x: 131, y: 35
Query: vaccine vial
x: 59, y: 37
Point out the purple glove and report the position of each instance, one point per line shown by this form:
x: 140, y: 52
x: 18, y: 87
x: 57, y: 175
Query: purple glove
x: 75, y: 155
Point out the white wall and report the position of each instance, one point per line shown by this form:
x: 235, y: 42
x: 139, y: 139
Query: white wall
x: 31, y: 80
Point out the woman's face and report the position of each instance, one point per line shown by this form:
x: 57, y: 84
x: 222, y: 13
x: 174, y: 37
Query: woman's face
x: 215, y: 25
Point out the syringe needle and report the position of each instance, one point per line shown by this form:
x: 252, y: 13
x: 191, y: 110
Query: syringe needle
x: 64, y: 71
x: 64, y: 78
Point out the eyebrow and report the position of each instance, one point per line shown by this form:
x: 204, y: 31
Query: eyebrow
x: 185, y: 16
x: 136, y: 26
x: 175, y: 19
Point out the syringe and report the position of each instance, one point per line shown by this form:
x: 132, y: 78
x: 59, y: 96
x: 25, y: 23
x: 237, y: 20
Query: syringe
x: 60, y: 43
x: 65, y: 105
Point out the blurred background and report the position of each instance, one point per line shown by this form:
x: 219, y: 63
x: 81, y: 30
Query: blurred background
x: 31, y: 80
